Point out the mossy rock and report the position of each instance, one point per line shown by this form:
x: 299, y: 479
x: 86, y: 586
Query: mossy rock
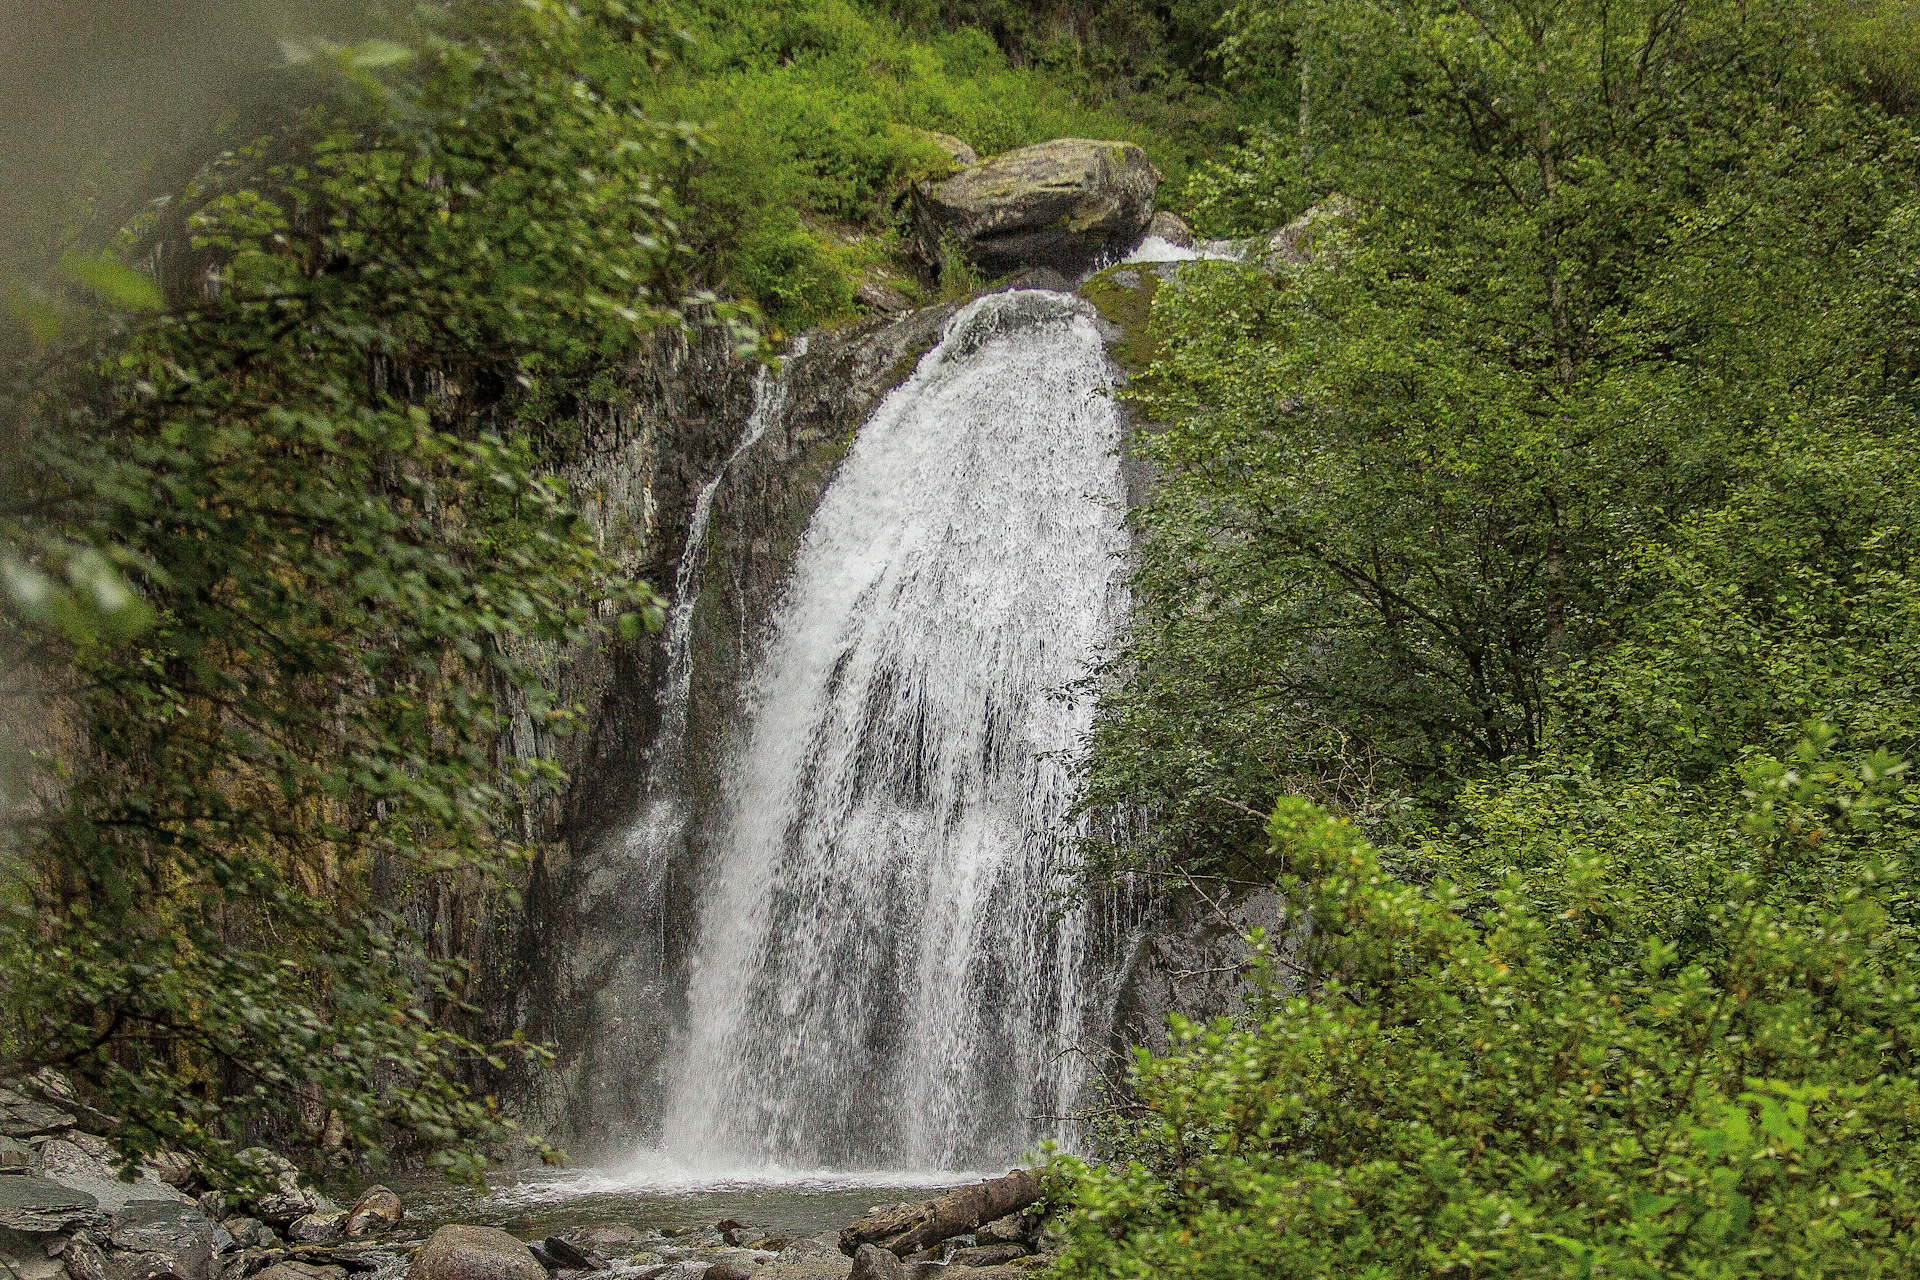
x: 1124, y: 297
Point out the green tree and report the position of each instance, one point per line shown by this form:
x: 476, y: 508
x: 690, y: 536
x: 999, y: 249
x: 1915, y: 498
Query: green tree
x: 282, y: 547
x: 1609, y: 270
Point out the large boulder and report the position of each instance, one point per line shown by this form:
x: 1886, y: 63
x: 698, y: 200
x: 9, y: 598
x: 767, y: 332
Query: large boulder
x: 78, y: 1166
x: 475, y: 1253
x: 813, y: 1258
x: 1293, y: 244
x: 291, y: 1270
x: 1063, y: 204
x: 156, y: 1238
x: 318, y: 1228
x: 610, y: 1238
x: 23, y: 1117
x: 39, y: 1206
x: 870, y: 1262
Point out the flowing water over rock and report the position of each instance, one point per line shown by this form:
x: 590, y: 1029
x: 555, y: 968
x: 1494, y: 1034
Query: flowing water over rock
x: 878, y: 979
x: 663, y: 824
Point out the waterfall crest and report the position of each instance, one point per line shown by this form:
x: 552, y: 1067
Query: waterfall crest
x: 878, y: 979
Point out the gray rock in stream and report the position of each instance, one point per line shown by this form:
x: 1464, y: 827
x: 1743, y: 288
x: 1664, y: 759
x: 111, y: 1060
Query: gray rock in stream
x: 870, y: 1262
x: 475, y: 1253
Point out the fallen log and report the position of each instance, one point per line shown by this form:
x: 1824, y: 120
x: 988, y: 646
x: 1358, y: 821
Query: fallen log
x: 903, y: 1230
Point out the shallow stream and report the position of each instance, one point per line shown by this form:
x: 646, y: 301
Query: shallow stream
x: 661, y: 1195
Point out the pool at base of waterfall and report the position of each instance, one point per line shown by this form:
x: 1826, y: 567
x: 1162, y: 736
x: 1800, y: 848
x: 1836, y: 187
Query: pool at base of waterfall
x: 656, y: 1192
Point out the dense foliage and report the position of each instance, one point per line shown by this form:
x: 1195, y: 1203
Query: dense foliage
x: 277, y: 578
x: 1563, y: 1084
x: 1529, y: 525
x: 1579, y: 434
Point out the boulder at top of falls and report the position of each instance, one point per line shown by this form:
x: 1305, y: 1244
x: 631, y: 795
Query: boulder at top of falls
x: 475, y: 1253
x: 1060, y: 204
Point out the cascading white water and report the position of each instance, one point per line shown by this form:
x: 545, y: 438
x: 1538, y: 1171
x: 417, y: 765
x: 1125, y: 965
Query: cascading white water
x: 663, y: 821
x: 878, y: 979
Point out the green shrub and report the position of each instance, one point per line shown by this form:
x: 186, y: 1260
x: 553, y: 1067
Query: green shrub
x: 1556, y: 1086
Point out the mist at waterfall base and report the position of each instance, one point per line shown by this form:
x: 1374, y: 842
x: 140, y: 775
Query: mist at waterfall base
x: 886, y: 992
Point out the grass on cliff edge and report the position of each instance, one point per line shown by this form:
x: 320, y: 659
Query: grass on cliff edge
x: 810, y: 110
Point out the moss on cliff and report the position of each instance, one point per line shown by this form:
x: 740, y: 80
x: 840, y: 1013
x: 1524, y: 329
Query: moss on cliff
x: 1124, y: 296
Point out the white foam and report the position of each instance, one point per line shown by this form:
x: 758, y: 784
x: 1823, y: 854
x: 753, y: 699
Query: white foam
x: 659, y: 1173
x: 1154, y: 249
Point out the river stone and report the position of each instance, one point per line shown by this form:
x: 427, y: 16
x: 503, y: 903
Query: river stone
x: 573, y: 1257
x: 40, y: 1206
x: 301, y: 1271
x: 475, y: 1253
x: 23, y: 1117
x: 37, y: 1268
x: 376, y: 1210
x: 814, y: 1258
x: 171, y: 1167
x: 987, y: 1255
x: 84, y: 1261
x: 318, y: 1228
x: 288, y: 1200
x: 1061, y: 204
x: 609, y: 1238
x: 870, y: 1262
x: 57, y: 1091
x: 163, y: 1239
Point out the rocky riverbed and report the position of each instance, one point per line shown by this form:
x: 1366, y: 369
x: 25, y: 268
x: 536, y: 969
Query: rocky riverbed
x: 67, y: 1214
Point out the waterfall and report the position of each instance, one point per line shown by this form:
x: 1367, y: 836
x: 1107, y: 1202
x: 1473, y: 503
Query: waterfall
x: 663, y: 819
x: 879, y: 979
